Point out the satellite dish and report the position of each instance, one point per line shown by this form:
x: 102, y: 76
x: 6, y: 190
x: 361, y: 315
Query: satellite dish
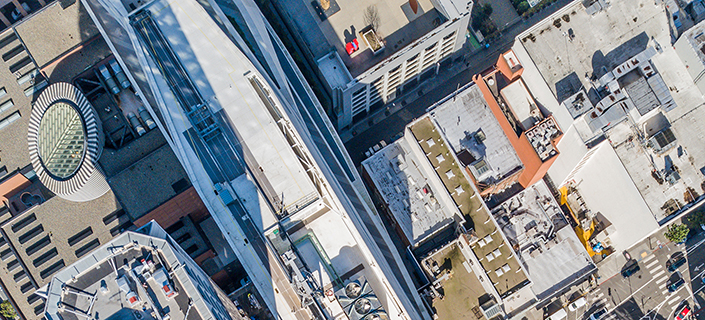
x: 490, y: 81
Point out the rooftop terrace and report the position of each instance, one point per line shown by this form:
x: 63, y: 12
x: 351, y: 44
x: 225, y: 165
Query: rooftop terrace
x: 344, y: 20
x: 495, y: 255
x: 463, y: 292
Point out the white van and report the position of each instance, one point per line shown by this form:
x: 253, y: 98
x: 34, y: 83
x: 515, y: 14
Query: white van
x: 559, y: 315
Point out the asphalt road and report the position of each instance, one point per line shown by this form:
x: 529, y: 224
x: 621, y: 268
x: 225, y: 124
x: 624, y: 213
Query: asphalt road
x: 479, y: 61
x: 644, y: 295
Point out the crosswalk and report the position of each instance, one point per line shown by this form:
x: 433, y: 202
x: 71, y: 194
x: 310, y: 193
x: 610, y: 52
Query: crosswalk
x: 659, y: 275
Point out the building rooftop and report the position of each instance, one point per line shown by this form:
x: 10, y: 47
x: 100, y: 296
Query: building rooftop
x: 539, y: 233
x: 522, y: 104
x: 600, y: 166
x: 65, y: 141
x: 419, y: 205
x: 344, y: 20
x: 288, y: 183
x: 491, y: 244
x: 159, y: 174
x: 630, y: 74
x: 221, y: 106
x: 690, y: 48
x: 476, y: 137
x: 134, y: 276
x: 56, y: 30
x: 463, y: 291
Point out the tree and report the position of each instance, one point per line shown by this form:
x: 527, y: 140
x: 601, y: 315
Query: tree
x: 677, y: 232
x: 7, y: 310
x: 522, y: 7
x: 696, y: 218
x: 371, y: 17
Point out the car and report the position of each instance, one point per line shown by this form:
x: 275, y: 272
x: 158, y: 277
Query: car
x: 631, y: 268
x: 253, y: 301
x: 674, y: 283
x: 558, y: 315
x: 577, y: 304
x: 597, y: 315
x: 677, y: 260
x: 683, y: 313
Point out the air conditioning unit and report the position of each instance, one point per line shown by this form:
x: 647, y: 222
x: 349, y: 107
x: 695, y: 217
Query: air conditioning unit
x: 360, y: 302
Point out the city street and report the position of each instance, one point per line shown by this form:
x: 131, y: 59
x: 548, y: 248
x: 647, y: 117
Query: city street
x: 644, y: 294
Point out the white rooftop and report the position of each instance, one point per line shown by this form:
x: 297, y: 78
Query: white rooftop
x: 420, y: 206
x: 552, y: 253
x: 521, y: 102
x: 463, y: 120
x: 217, y: 72
x: 606, y: 187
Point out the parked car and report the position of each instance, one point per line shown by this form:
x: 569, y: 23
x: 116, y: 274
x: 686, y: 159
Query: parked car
x: 676, y: 260
x: 683, y: 313
x: 558, y: 315
x: 597, y: 315
x: 253, y: 301
x: 577, y: 304
x: 674, y: 283
x: 631, y: 268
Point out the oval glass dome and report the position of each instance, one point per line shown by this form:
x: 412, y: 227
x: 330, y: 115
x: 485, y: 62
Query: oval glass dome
x: 62, y: 139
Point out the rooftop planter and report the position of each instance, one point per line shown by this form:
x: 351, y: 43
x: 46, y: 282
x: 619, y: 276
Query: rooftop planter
x: 373, y: 40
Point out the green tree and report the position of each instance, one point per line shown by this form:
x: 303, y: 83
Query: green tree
x: 522, y: 7
x: 677, y: 232
x: 696, y: 218
x: 7, y: 311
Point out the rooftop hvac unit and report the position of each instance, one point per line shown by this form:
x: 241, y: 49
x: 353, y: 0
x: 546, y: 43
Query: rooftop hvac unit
x: 360, y: 302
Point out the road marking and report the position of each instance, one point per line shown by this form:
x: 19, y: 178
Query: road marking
x: 599, y: 295
x: 655, y: 262
x: 664, y: 292
x: 662, y: 279
x: 658, y: 274
x: 674, y: 300
x: 648, y: 258
x: 662, y: 286
x: 689, y: 250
